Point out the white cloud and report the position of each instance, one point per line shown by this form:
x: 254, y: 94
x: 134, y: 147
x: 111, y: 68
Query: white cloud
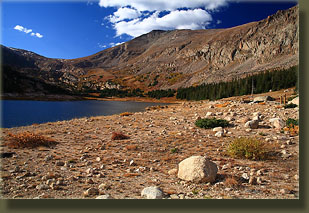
x: 160, y: 5
x: 179, y: 19
x: 39, y: 35
x: 22, y: 29
x: 136, y: 17
x: 25, y: 30
x: 124, y: 13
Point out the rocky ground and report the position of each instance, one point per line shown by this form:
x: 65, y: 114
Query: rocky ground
x: 87, y: 163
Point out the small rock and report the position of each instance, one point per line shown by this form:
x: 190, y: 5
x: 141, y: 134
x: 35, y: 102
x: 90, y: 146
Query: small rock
x: 278, y: 123
x: 89, y: 171
x: 98, y: 159
x: 174, y: 196
x: 152, y: 192
x: 219, y: 134
x: 91, y: 192
x: 104, y: 186
x: 259, y: 180
x: 245, y: 176
x: 284, y: 191
x: 49, y: 181
x: 217, y: 129
x: 254, y: 124
x: 89, y: 181
x: 252, y: 180
x: 259, y: 172
x: 173, y: 171
x: 59, y: 163
x: 132, y: 163
x: 106, y: 196
x: 42, y: 187
x: 48, y: 158
x: 284, y: 152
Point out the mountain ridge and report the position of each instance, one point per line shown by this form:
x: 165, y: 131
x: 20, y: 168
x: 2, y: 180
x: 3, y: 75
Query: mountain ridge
x: 171, y: 59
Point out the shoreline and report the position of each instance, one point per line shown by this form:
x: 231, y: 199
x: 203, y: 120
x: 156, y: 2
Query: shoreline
x: 53, y: 97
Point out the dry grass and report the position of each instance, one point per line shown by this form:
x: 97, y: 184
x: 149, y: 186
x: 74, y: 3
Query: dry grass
x: 231, y: 182
x: 28, y: 140
x: 119, y: 136
x: 131, y: 147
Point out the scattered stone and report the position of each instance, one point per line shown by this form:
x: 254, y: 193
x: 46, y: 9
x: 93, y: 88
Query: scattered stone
x: 59, y: 163
x: 132, y: 163
x: 106, y: 196
x: 91, y: 192
x: 245, y: 176
x: 253, y: 124
x: 104, y: 186
x: 48, y: 158
x: 259, y: 172
x: 278, y: 123
x: 208, y: 114
x: 98, y: 159
x: 217, y: 129
x: 174, y: 196
x: 42, y: 187
x: 262, y: 99
x: 89, y: 181
x: 173, y: 171
x: 252, y: 180
x: 219, y: 134
x: 197, y: 169
x: 152, y: 192
x: 259, y: 180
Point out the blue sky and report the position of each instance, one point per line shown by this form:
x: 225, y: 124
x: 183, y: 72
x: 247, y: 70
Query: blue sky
x: 71, y: 29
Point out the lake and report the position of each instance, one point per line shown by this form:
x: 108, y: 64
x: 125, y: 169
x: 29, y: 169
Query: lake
x: 21, y: 113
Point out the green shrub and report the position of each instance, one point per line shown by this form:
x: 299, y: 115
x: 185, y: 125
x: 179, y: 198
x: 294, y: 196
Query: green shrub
x: 174, y: 150
x: 247, y: 148
x: 290, y: 106
x: 290, y: 122
x: 209, y: 123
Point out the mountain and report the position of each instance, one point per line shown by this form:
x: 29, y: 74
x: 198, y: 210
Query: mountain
x: 164, y: 59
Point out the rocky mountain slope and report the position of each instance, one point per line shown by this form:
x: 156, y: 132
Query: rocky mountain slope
x: 170, y: 59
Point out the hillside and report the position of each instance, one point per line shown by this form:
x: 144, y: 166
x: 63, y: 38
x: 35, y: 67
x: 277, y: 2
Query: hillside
x: 167, y: 59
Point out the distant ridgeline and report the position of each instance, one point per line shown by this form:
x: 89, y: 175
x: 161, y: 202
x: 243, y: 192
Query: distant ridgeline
x: 262, y: 82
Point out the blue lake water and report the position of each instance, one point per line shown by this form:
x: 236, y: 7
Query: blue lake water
x: 16, y: 113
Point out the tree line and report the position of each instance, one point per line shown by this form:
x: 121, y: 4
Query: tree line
x: 258, y: 83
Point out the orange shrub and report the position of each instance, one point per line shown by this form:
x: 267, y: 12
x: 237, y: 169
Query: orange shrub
x: 222, y: 105
x: 126, y: 113
x: 28, y: 140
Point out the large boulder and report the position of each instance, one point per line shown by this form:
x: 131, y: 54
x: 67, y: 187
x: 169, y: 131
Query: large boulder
x: 197, y: 169
x: 294, y: 101
x: 262, y: 99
